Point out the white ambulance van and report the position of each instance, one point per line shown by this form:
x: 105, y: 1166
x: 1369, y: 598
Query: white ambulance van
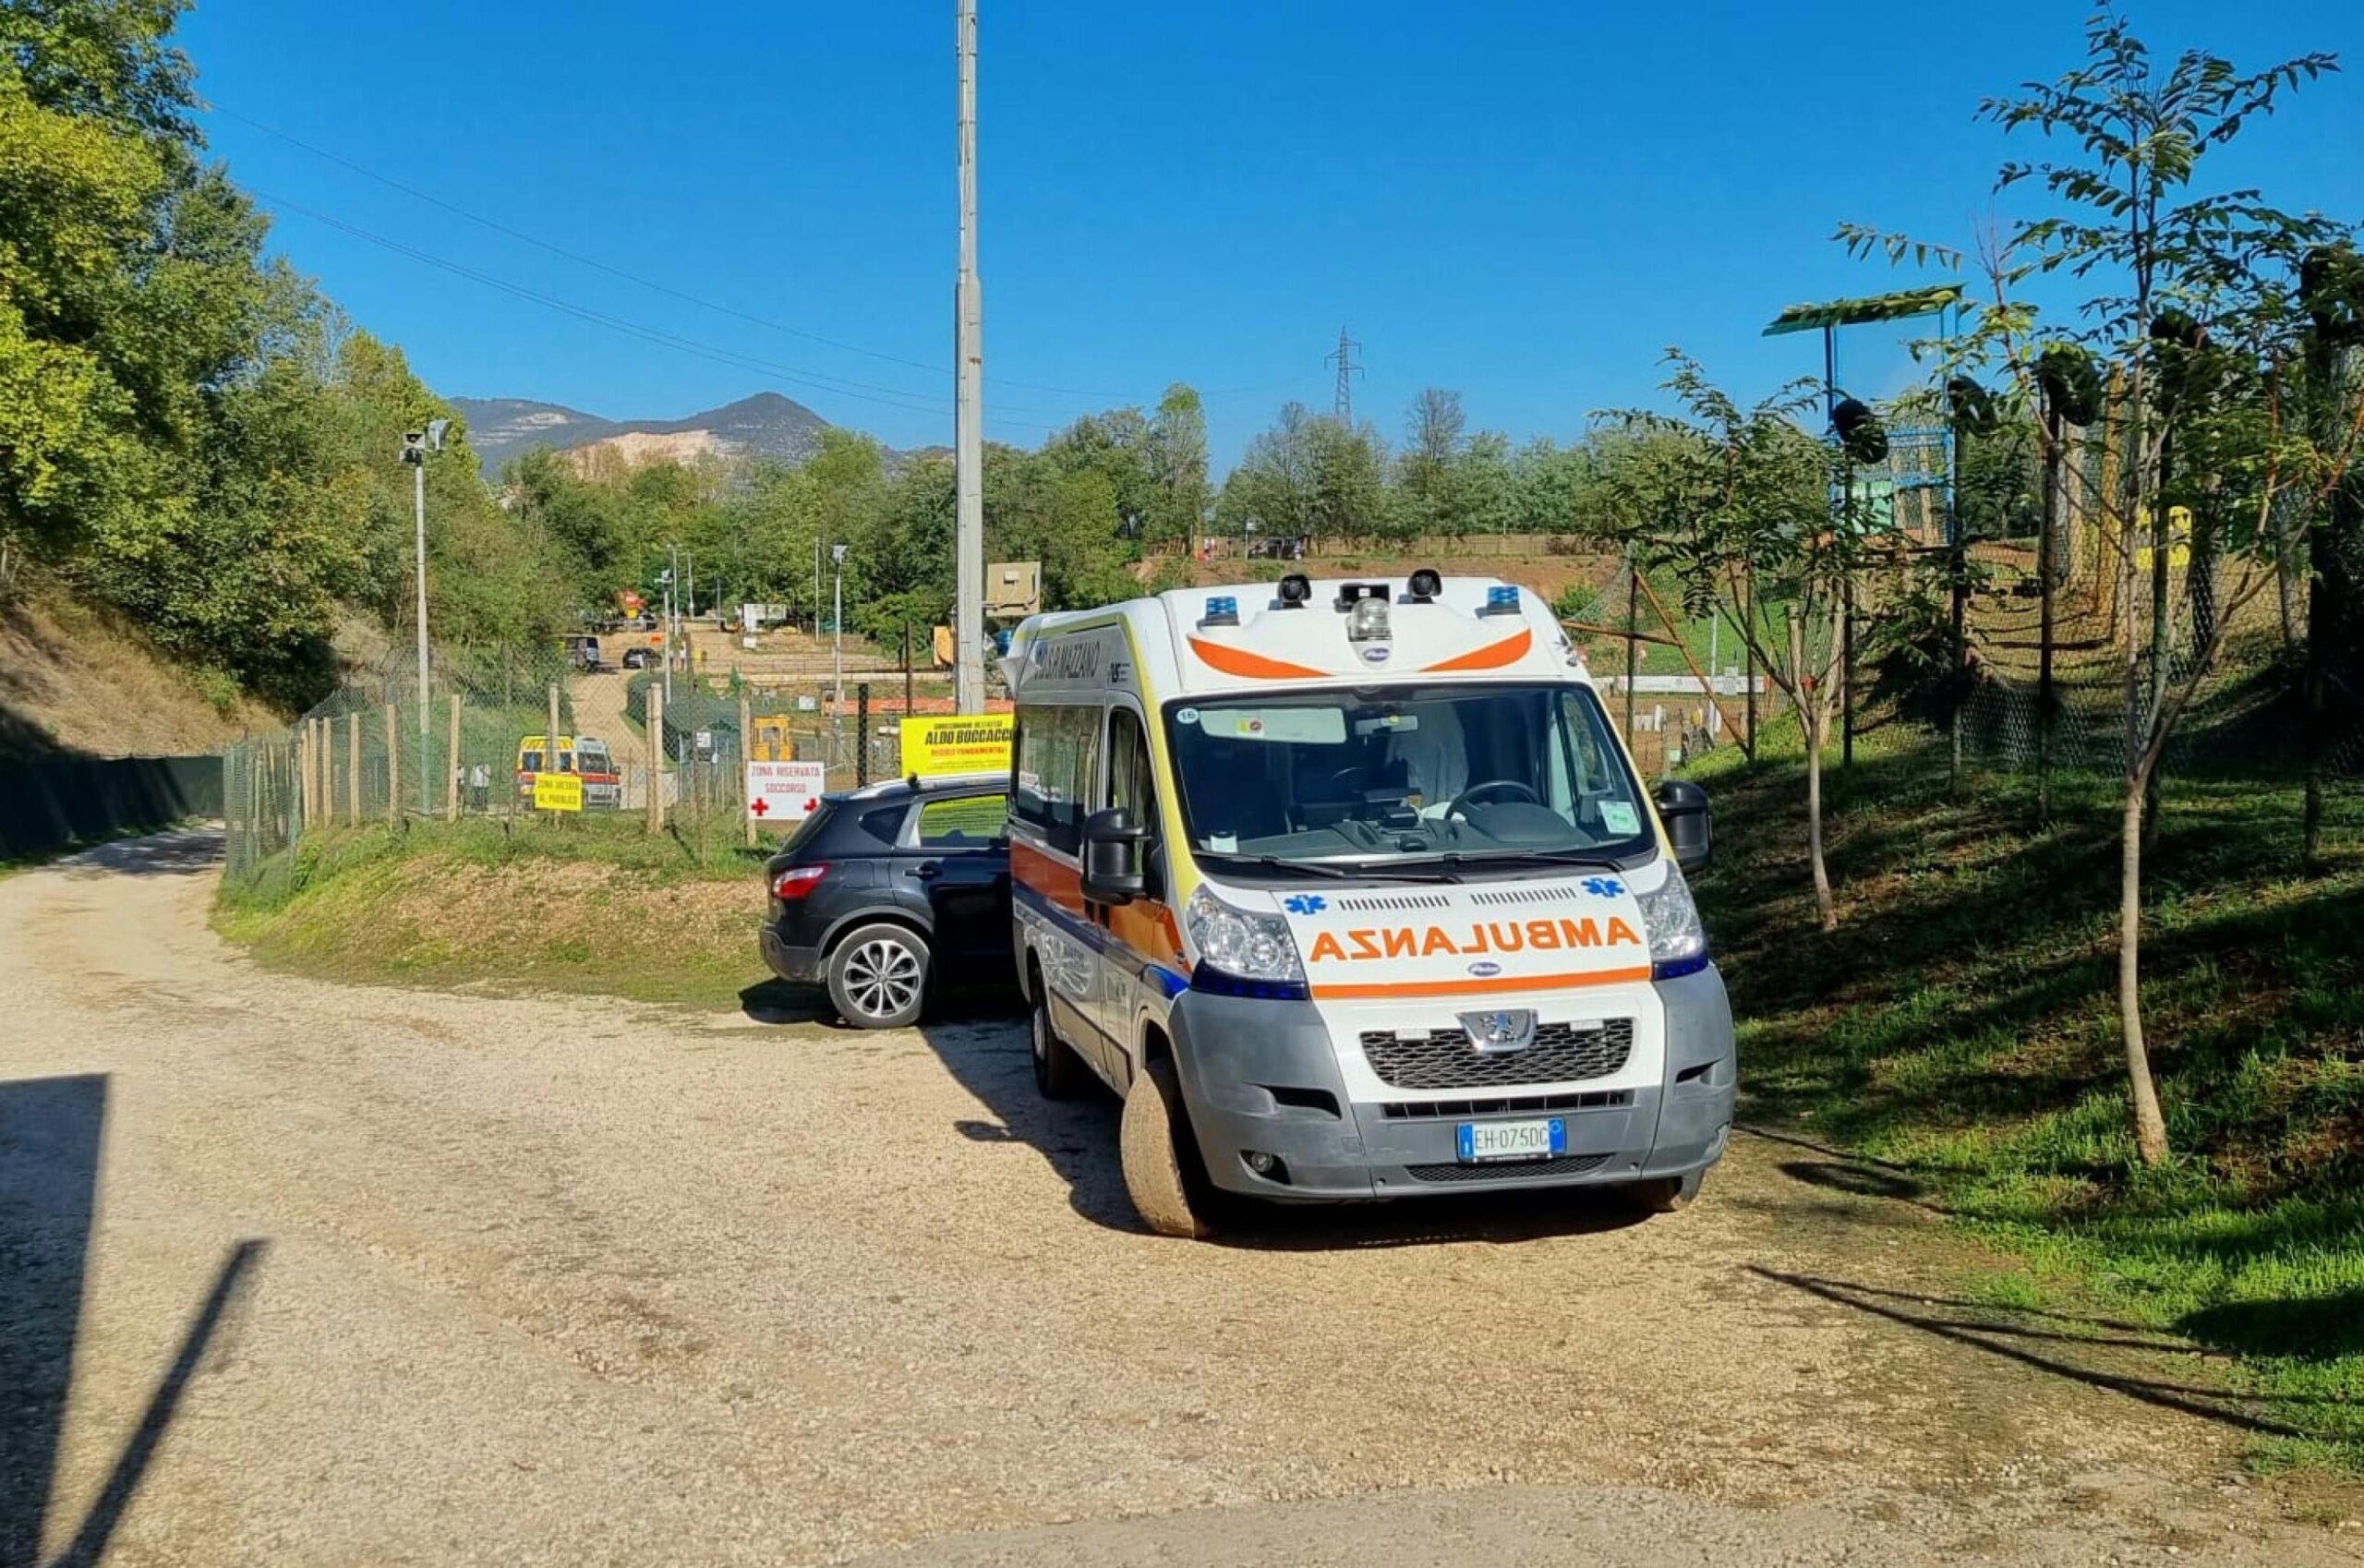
x: 1351, y: 891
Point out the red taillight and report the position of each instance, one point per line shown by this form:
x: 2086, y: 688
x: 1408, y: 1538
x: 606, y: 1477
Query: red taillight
x: 797, y: 881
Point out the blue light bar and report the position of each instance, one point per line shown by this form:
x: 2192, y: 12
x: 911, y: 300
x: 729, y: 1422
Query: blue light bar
x: 1502, y: 599
x: 1221, y: 608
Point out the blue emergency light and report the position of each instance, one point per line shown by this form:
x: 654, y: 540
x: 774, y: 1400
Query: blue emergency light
x: 1501, y: 600
x: 1223, y: 609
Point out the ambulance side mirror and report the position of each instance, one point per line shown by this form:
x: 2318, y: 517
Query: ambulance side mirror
x: 1682, y: 806
x: 1111, y: 842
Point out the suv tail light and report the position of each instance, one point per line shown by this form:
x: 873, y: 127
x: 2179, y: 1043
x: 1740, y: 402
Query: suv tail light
x: 797, y: 881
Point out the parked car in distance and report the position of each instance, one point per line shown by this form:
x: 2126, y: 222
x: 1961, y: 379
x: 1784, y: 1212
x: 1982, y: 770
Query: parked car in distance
x: 583, y: 655
x: 890, y: 892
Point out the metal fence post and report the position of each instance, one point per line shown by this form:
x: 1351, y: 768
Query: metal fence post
x: 393, y: 765
x: 353, y: 769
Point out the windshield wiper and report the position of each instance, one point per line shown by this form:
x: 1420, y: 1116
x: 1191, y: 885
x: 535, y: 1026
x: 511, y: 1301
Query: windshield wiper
x: 1557, y: 857
x: 1458, y: 861
x: 1361, y: 871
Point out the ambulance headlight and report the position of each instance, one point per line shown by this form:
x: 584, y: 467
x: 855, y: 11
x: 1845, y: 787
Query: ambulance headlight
x: 1242, y: 943
x: 1671, y: 923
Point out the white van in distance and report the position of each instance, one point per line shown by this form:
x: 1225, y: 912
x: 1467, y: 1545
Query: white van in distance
x: 1351, y: 891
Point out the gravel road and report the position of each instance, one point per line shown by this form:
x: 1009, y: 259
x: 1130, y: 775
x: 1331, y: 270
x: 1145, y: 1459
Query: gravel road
x: 294, y: 1273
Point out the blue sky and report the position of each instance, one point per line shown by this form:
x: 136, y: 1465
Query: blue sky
x: 1523, y: 201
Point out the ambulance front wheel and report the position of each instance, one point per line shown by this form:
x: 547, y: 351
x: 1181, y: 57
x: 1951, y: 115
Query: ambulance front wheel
x: 1160, y: 1157
x: 1664, y: 1195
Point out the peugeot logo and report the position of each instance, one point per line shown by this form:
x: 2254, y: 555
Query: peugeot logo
x: 1501, y: 1031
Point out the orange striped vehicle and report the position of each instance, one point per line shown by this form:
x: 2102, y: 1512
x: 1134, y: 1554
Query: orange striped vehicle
x: 1351, y: 889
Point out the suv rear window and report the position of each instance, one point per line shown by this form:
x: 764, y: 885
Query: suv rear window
x: 884, y: 822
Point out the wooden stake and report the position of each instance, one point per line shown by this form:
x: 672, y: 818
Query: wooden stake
x: 656, y: 758
x: 746, y: 751
x: 550, y: 741
x: 1706, y: 685
x: 451, y: 761
x: 393, y: 765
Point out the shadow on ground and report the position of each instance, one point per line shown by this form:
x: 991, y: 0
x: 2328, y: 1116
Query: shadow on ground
x: 52, y: 1132
x: 183, y: 853
x: 2118, y: 1357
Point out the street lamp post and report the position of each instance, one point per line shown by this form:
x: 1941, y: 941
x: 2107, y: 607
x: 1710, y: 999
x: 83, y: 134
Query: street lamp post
x: 416, y: 444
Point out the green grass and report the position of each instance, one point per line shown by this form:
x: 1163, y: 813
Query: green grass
x: 1962, y: 1025
x: 592, y: 905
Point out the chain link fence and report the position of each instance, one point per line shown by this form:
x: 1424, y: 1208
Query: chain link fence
x: 375, y: 753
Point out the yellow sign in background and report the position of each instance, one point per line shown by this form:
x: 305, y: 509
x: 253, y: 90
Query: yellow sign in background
x: 557, y: 791
x: 938, y: 745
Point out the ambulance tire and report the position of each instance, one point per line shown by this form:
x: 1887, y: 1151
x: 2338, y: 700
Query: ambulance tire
x: 1664, y: 1195
x: 1059, y: 1073
x: 1161, y: 1158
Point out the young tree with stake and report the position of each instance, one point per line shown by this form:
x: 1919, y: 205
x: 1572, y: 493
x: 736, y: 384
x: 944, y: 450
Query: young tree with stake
x: 2198, y: 313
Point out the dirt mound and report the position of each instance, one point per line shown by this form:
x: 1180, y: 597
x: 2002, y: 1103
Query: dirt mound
x: 76, y: 678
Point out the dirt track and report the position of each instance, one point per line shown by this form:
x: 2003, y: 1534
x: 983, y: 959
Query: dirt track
x: 322, y: 1274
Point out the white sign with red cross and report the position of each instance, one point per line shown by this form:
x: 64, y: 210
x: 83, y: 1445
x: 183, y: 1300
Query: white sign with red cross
x: 784, y: 791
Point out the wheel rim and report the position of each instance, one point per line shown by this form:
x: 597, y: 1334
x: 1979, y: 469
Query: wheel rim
x: 882, y: 978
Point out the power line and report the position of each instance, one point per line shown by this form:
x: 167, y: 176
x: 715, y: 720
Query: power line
x: 892, y: 397
x: 1348, y: 372
x: 596, y: 265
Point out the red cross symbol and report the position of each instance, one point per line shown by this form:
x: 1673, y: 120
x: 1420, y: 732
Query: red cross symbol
x: 761, y: 806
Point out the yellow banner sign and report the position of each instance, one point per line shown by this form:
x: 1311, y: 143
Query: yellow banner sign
x: 557, y: 791
x: 938, y: 745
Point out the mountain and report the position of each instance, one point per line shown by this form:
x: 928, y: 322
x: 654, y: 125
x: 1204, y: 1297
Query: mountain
x: 765, y: 425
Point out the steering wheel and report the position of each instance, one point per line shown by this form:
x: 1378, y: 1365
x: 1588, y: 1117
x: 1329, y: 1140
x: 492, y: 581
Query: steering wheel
x: 1464, y: 798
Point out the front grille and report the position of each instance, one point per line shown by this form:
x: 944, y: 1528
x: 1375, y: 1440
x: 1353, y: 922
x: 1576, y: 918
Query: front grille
x: 1518, y: 1105
x: 1510, y: 1170
x: 1563, y: 1052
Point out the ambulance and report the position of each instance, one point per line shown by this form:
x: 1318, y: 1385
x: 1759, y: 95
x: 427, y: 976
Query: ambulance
x: 1350, y: 890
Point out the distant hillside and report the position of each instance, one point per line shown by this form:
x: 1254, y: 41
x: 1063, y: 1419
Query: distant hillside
x: 765, y: 425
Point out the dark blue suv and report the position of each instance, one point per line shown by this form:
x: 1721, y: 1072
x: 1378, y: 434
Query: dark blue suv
x: 889, y: 891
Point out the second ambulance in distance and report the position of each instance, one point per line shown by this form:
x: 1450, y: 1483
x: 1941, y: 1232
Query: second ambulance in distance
x: 1351, y: 890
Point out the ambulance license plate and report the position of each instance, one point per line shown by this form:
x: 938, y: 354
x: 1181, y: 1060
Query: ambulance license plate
x: 1484, y: 1141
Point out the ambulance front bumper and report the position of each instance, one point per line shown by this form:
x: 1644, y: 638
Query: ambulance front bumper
x: 1262, y: 1078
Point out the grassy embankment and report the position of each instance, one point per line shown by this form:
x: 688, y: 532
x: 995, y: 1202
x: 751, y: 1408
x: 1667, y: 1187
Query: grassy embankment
x: 593, y: 905
x: 1959, y: 1029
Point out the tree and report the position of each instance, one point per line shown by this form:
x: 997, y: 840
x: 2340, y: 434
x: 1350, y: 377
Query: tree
x: 1426, y: 470
x: 2196, y: 308
x: 1736, y: 502
x: 1178, y: 457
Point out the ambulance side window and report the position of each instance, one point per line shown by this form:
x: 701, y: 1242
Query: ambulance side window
x: 1058, y: 765
x: 1132, y: 786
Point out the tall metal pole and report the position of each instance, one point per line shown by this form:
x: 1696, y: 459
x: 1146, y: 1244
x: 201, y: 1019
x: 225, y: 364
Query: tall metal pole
x: 967, y: 435
x: 418, y: 512
x: 837, y: 620
x: 673, y: 571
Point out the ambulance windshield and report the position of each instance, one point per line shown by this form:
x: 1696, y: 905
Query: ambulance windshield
x: 1402, y: 772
